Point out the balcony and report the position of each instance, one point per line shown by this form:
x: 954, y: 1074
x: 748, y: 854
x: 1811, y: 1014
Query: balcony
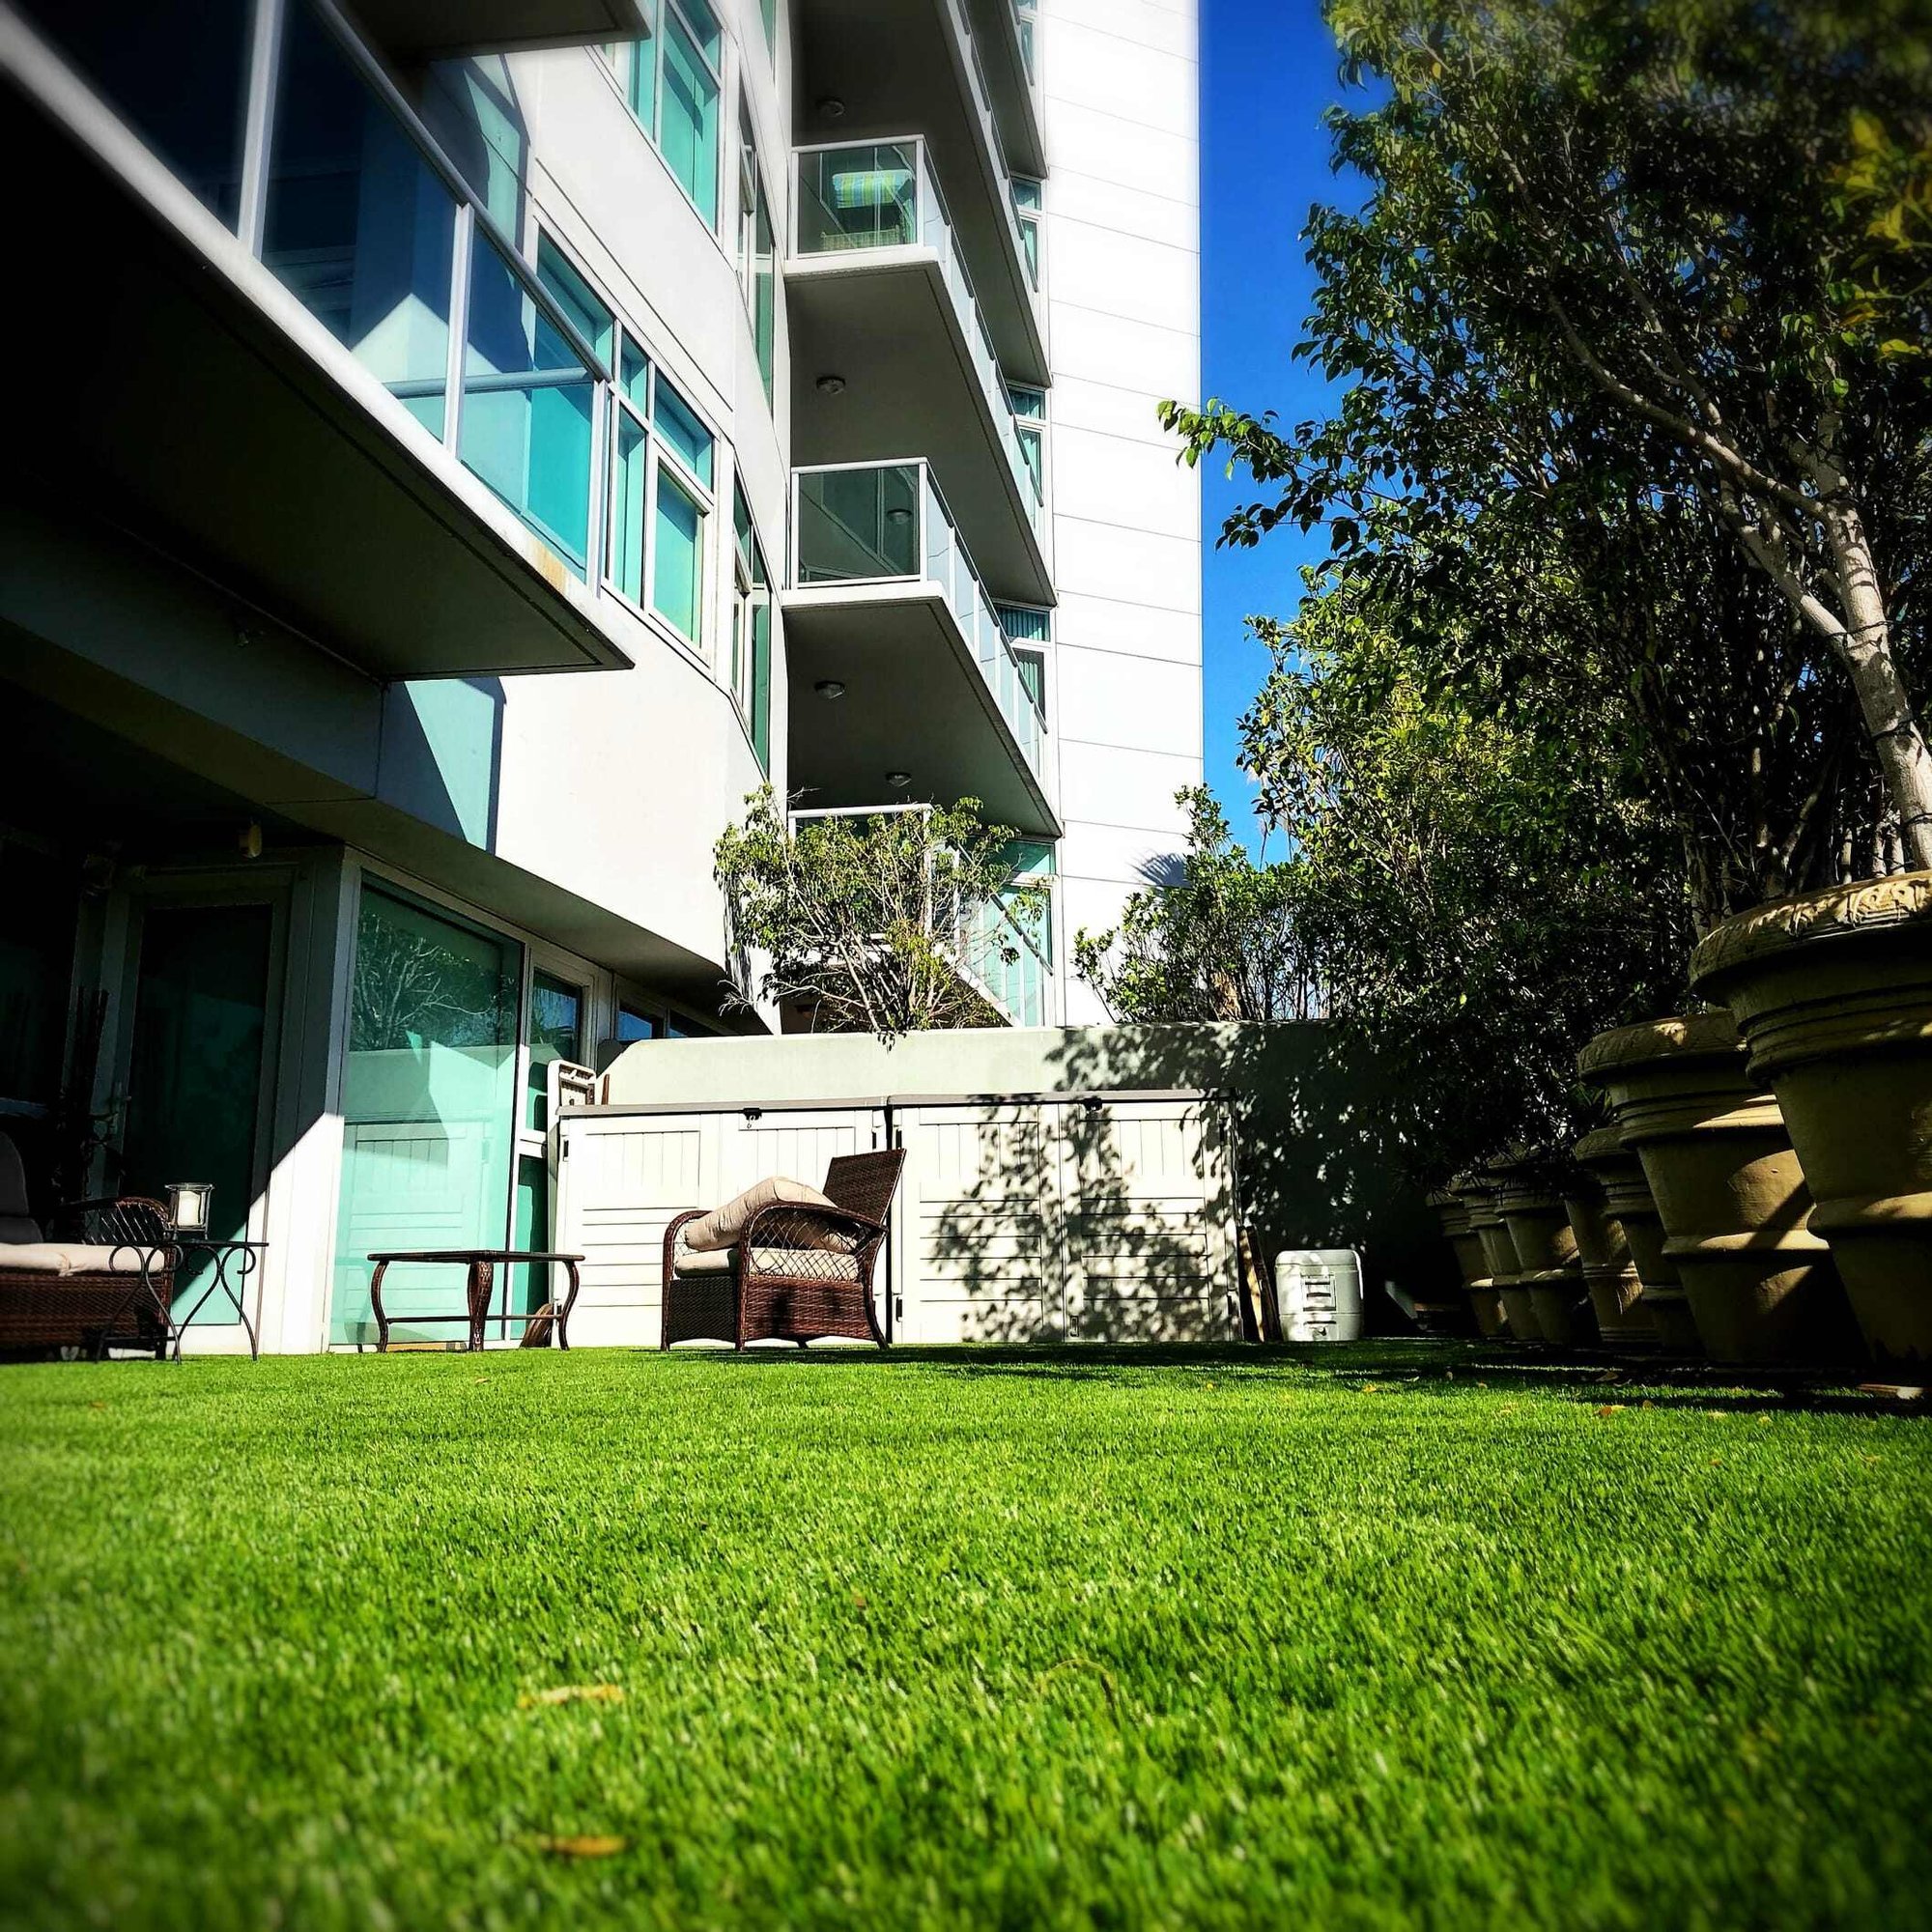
x: 871, y: 67
x: 1003, y: 31
x: 1001, y: 954
x: 899, y: 671
x: 880, y: 300
x: 323, y: 380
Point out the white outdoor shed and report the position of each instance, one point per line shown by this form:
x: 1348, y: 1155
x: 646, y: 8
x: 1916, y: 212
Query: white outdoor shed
x: 1038, y: 1201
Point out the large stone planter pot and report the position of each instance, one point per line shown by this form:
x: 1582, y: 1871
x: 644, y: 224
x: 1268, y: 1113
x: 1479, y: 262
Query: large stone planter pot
x: 1453, y: 1216
x: 1478, y: 1194
x: 1609, y: 1273
x: 1549, y: 1272
x: 1520, y: 1321
x: 1727, y: 1186
x: 1832, y: 992
x: 1627, y: 1200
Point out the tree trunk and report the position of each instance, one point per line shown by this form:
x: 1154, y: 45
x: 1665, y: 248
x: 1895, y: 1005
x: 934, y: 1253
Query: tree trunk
x: 1866, y: 646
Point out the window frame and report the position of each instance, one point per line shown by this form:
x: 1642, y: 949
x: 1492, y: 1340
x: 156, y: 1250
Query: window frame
x: 750, y: 678
x: 622, y: 57
x: 757, y: 270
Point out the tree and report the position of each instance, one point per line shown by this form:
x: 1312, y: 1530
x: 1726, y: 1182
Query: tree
x: 1481, y: 893
x: 1635, y: 271
x: 886, y: 923
x: 1222, y: 942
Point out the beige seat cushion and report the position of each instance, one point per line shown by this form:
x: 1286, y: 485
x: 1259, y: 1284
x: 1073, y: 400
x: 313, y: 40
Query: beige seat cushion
x: 722, y: 1226
x: 814, y: 1263
x: 66, y: 1258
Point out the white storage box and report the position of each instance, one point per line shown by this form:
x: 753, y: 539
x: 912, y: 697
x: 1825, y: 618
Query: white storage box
x: 1319, y: 1295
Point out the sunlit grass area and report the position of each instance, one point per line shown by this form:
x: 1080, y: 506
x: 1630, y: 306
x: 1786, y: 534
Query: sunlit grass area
x: 1368, y: 1637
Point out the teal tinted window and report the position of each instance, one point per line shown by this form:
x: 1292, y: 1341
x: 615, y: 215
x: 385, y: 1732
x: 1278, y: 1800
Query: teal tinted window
x: 556, y: 1033
x: 529, y: 1281
x: 583, y: 308
x: 634, y: 375
x: 633, y: 1026
x: 428, y: 1104
x: 527, y: 406
x: 704, y: 28
x: 630, y: 490
x: 688, y: 118
x: 643, y: 84
x: 1024, y: 624
x: 356, y: 225
x: 681, y: 429
x: 676, y: 573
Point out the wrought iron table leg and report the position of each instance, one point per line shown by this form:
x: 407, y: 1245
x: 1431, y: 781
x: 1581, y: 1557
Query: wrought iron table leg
x: 482, y: 1276
x: 563, y: 1313
x: 376, y: 1305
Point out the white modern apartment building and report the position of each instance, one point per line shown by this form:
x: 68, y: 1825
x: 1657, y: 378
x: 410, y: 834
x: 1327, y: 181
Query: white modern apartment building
x: 510, y: 433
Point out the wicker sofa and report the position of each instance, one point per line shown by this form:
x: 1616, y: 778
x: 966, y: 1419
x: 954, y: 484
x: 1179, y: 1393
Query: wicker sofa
x: 113, y: 1283
x: 796, y: 1272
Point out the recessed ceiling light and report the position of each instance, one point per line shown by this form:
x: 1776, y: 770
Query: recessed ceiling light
x: 832, y: 386
x: 899, y: 780
x: 829, y: 687
x: 831, y: 108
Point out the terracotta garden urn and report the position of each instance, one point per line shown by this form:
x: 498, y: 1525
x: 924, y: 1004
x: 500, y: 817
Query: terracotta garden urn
x: 1728, y: 1189
x: 1493, y: 1256
x: 1549, y: 1272
x: 1832, y: 992
x: 1610, y: 1271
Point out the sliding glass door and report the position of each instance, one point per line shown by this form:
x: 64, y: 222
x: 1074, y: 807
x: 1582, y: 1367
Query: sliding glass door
x: 429, y: 1106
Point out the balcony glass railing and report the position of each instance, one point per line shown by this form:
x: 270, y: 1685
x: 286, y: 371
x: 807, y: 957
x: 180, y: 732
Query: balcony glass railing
x: 353, y: 209
x: 886, y: 522
x: 1004, y: 954
x: 883, y: 194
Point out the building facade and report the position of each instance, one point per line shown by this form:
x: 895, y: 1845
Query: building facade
x: 517, y: 431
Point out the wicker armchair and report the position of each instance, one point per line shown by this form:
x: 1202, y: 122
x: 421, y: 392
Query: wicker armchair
x: 796, y: 1272
x: 110, y: 1283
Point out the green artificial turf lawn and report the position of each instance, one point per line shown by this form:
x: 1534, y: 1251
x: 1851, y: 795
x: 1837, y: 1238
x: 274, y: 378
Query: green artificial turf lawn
x: 1008, y: 1639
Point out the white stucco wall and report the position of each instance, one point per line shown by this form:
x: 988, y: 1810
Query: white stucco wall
x: 1122, y: 256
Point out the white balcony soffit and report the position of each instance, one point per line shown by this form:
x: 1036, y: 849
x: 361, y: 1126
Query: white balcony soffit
x: 211, y: 414
x: 895, y: 64
x: 883, y: 321
x: 418, y: 30
x: 915, y: 701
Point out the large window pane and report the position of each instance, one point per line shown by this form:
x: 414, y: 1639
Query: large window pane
x: 630, y: 491
x: 676, y: 572
x: 357, y: 225
x: 556, y: 1033
x: 688, y: 119
x: 679, y: 424
x: 585, y: 310
x: 177, y: 75
x: 526, y: 407
x: 428, y: 1106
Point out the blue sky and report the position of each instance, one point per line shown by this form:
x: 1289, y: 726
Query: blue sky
x: 1269, y: 69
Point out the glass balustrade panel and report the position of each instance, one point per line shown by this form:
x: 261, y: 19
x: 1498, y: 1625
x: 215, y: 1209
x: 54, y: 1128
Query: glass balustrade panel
x: 857, y: 524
